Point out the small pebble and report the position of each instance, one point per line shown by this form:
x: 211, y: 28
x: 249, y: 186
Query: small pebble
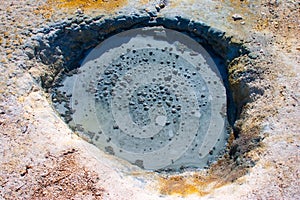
x: 236, y: 17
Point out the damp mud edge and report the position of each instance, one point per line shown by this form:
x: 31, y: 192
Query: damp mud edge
x: 164, y: 93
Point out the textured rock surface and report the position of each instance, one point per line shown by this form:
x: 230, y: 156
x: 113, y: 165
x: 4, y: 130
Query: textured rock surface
x: 41, y: 157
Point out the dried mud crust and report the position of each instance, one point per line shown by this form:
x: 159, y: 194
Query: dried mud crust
x: 59, y: 177
x: 62, y: 178
x: 272, y: 119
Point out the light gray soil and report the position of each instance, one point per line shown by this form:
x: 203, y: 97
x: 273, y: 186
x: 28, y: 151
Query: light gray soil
x: 41, y: 158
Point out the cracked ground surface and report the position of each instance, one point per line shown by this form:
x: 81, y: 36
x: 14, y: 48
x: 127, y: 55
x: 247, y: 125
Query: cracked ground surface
x: 41, y: 158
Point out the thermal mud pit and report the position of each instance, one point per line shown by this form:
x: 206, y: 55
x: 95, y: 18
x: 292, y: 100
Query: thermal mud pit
x: 150, y: 103
x: 156, y: 93
x: 151, y: 96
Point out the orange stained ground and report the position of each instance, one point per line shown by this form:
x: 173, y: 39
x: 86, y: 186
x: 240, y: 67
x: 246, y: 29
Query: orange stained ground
x: 184, y: 186
x: 89, y: 4
x: 199, y: 184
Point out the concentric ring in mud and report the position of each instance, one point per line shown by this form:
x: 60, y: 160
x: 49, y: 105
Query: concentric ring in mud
x: 151, y: 96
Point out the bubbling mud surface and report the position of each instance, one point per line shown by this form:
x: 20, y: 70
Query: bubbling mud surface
x: 151, y: 96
